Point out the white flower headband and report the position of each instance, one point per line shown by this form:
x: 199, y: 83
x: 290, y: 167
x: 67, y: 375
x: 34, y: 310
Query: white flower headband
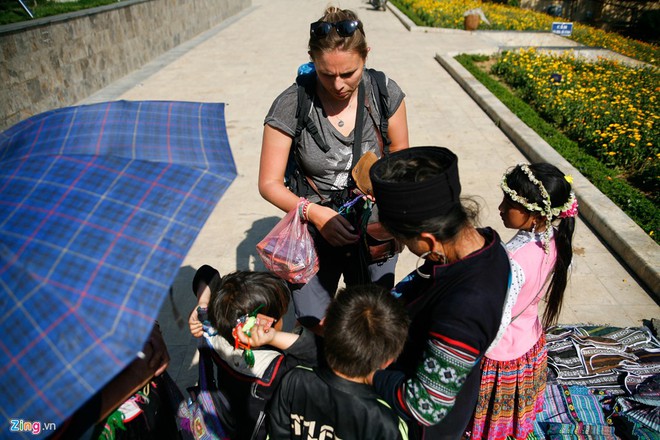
x: 568, y: 209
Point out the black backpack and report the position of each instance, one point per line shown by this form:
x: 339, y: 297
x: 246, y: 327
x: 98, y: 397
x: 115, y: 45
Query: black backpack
x: 294, y: 178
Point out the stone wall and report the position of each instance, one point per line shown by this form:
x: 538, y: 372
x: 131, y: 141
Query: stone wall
x: 57, y: 61
x: 583, y: 10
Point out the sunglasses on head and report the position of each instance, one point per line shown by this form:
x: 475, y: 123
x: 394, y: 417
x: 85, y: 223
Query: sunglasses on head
x: 345, y: 28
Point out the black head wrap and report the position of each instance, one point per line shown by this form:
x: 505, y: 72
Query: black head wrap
x: 417, y: 201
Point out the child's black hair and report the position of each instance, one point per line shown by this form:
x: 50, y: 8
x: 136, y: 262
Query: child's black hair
x: 243, y: 292
x: 365, y: 327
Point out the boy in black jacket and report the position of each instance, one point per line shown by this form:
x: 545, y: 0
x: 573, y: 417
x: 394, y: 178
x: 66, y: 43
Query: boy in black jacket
x: 365, y: 329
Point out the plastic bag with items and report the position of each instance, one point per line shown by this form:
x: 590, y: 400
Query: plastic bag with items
x: 288, y: 250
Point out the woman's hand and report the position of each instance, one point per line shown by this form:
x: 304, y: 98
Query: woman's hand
x: 333, y: 227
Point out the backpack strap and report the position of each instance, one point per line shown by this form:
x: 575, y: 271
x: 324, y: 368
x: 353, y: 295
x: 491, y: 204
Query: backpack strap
x: 306, y: 91
x: 357, y: 132
x: 381, y: 98
x: 357, y: 138
x: 294, y: 178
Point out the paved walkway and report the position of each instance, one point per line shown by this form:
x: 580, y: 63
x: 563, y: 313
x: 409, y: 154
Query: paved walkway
x: 248, y: 60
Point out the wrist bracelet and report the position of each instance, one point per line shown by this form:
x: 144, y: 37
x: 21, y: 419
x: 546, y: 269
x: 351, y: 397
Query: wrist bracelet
x: 303, y: 208
x: 307, y: 206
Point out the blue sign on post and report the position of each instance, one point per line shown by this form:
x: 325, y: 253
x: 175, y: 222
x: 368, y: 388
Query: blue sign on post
x: 563, y: 29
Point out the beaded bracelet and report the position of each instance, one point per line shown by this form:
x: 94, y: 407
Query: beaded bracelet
x: 303, y: 208
x: 306, y: 210
x: 307, y: 206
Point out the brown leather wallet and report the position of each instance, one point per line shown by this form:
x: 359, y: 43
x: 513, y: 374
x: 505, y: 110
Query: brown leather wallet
x: 360, y: 172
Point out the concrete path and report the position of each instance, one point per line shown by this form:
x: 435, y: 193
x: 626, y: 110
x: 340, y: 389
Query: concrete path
x: 247, y: 61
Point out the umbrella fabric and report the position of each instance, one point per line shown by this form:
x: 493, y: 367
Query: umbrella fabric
x: 99, y: 206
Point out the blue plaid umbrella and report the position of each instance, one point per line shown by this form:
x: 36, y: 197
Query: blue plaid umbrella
x: 99, y: 205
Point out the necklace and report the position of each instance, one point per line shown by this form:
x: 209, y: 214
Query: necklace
x: 340, y: 121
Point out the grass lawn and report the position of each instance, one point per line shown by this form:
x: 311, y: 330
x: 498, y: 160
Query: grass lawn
x: 11, y: 11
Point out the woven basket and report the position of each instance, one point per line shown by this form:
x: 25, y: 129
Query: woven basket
x: 471, y: 22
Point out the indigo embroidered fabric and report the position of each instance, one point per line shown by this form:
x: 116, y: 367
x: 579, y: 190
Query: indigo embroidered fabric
x: 573, y: 413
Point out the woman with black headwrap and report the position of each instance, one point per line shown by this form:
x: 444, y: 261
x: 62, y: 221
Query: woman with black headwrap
x: 455, y: 297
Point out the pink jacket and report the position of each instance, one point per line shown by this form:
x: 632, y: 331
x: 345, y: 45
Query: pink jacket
x: 531, y: 270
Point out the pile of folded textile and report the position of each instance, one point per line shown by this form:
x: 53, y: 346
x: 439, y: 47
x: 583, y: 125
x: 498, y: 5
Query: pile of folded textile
x: 603, y: 383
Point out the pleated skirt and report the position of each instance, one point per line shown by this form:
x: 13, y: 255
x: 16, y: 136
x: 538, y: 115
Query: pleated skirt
x: 511, y: 395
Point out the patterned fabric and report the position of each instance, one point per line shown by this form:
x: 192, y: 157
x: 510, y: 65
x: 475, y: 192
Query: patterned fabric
x: 572, y: 413
x: 603, y: 358
x: 511, y: 395
x: 637, y: 415
x: 431, y: 395
x: 99, y: 206
x: 201, y: 415
x: 601, y: 378
x: 641, y: 415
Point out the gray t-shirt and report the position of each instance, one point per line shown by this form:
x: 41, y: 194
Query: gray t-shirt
x: 329, y: 171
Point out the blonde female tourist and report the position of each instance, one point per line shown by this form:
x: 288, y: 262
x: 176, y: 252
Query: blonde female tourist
x: 352, y: 110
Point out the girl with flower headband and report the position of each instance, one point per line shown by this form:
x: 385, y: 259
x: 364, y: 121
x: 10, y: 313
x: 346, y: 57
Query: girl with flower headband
x: 538, y: 201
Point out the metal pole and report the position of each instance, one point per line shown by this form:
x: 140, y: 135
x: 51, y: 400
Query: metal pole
x: 26, y: 9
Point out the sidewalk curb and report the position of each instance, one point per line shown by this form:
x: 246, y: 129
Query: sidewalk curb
x: 412, y: 27
x: 639, y: 252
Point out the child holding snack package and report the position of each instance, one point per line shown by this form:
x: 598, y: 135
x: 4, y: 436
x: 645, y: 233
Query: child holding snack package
x: 240, y: 314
